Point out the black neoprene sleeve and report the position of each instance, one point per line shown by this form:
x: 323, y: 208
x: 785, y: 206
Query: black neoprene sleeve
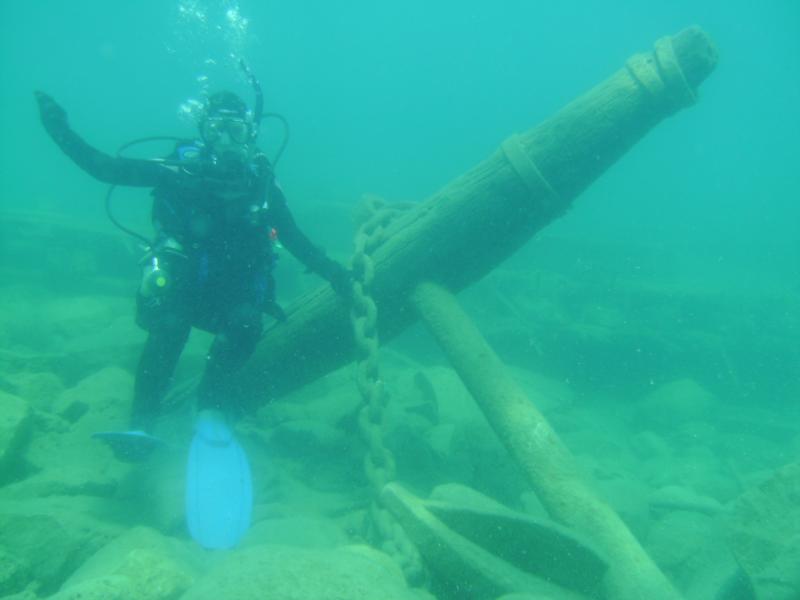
x: 295, y: 240
x: 101, y: 166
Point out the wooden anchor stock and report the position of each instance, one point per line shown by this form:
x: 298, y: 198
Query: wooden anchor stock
x: 531, y: 180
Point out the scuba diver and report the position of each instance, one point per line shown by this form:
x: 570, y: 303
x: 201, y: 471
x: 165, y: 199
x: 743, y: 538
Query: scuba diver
x: 216, y: 209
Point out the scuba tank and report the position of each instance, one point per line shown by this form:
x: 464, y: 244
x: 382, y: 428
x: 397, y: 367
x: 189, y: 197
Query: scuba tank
x: 154, y: 278
x: 159, y: 268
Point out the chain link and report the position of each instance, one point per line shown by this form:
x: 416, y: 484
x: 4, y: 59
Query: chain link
x: 379, y: 463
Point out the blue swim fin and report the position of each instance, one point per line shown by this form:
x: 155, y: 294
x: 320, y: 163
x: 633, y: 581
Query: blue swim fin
x: 129, y: 446
x: 219, y: 485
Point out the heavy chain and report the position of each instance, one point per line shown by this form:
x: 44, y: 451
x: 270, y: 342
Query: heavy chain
x: 379, y: 463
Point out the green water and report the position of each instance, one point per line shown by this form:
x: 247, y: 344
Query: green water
x: 656, y: 324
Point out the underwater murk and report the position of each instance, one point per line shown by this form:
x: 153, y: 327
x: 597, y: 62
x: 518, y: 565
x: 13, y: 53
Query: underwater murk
x: 546, y: 345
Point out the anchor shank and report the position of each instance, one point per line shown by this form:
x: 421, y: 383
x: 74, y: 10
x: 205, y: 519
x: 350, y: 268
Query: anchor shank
x: 537, y: 449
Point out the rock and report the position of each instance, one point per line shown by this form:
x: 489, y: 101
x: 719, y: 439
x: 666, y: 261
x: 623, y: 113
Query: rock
x: 26, y: 594
x: 721, y: 486
x: 101, y: 402
x: 417, y: 463
x: 46, y: 422
x: 444, y: 442
x: 763, y: 421
x: 64, y: 366
x: 440, y: 439
x: 764, y: 534
x: 15, y: 424
x: 454, y: 403
x: 155, y: 490
x: 307, y: 436
x: 647, y: 445
x: 675, y: 403
x: 527, y: 597
x: 628, y: 497
x: 781, y: 579
x: 20, y: 329
x: 601, y: 448
x: 139, y: 565
x: 282, y: 573
x: 306, y: 497
x: 751, y: 452
x: 74, y: 480
x: 104, y: 398
x: 479, y: 460
x: 420, y: 398
x: 673, y: 540
x: 718, y: 576
x: 71, y: 454
x: 51, y: 538
x: 116, y: 342
x: 72, y: 316
x: 297, y: 532
x: 330, y: 400
x: 39, y: 388
x: 692, y: 433
x: 14, y: 575
x: 697, y: 468
x: 674, y: 497
x: 656, y: 472
x: 105, y: 588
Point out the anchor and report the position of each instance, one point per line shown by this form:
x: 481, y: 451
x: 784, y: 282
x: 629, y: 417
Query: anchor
x: 532, y: 179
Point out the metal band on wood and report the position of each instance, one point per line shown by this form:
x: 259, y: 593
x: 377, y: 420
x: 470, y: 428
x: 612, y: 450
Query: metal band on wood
x: 660, y: 73
x: 527, y: 170
x: 672, y: 73
x: 643, y: 68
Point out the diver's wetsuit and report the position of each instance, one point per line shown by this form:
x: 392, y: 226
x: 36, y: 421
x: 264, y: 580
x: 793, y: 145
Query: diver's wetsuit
x: 213, y: 241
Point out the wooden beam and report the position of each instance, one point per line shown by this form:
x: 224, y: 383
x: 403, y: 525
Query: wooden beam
x: 532, y: 179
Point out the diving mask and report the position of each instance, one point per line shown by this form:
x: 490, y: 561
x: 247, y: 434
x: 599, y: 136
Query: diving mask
x: 214, y: 128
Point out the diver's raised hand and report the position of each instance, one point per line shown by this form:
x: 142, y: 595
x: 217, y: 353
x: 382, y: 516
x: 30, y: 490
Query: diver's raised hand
x: 53, y: 116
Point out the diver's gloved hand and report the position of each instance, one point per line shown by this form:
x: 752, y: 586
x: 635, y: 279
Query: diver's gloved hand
x: 274, y: 310
x: 54, y: 117
x: 341, y: 279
